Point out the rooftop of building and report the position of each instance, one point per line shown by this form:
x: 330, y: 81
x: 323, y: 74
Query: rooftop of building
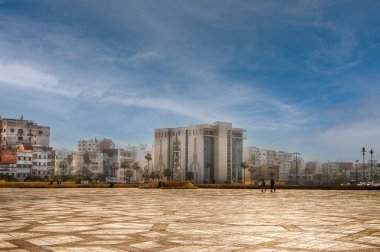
x: 30, y: 122
x: 203, y: 125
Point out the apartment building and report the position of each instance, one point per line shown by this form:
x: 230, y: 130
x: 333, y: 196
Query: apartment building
x: 25, y: 132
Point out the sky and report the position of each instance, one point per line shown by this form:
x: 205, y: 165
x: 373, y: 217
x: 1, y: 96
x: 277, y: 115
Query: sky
x: 298, y: 76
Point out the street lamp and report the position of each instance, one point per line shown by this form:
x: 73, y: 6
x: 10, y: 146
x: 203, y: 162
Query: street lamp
x: 363, y: 151
x: 371, y: 152
x: 296, y: 153
x: 356, y: 161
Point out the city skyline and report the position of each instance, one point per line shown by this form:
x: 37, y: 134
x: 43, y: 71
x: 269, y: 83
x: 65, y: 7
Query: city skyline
x: 298, y: 76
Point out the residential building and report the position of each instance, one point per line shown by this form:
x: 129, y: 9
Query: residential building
x: 117, y: 157
x: 62, y: 161
x: 24, y: 162
x: 139, y: 152
x: 268, y: 163
x: 206, y: 153
x: 16, y: 132
x: 42, y: 162
x: 8, y: 162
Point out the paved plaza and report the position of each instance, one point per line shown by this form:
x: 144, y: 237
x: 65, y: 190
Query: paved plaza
x: 188, y: 220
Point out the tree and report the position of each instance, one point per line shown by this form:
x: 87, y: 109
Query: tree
x: 129, y: 174
x: 126, y: 164
x: 318, y: 177
x: 168, y: 173
x: 136, y: 167
x: 86, y: 161
x: 251, y: 170
x: 272, y: 173
x: 145, y: 175
x: 244, y: 165
x: 189, y: 175
x: 62, y: 167
x: 110, y: 155
x: 114, y: 168
x: 154, y: 175
x: 70, y: 161
x: 148, y: 158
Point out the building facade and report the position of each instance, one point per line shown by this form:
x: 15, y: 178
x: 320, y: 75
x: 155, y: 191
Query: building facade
x: 16, y: 132
x: 268, y: 163
x: 206, y: 153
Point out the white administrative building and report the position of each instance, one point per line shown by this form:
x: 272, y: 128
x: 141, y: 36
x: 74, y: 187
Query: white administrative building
x: 211, y: 153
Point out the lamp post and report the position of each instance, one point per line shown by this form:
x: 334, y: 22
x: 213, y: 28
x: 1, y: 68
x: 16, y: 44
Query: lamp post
x: 363, y: 151
x: 356, y: 161
x: 296, y: 153
x: 371, y: 152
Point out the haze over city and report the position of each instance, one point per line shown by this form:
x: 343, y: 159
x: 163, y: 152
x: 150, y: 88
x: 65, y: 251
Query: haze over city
x: 296, y: 75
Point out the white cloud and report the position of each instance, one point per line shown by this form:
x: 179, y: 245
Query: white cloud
x: 26, y: 76
x: 352, y: 136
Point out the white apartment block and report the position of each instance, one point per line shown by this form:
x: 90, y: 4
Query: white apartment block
x: 94, y: 145
x: 139, y: 152
x: 16, y: 132
x: 24, y: 163
x: 277, y: 161
x: 95, y: 149
x: 42, y: 162
x: 59, y: 156
x: 95, y: 167
x: 212, y: 152
x: 116, y: 156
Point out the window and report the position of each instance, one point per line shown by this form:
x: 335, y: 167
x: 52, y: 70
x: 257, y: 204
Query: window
x: 12, y: 130
x: 20, y: 138
x: 40, y: 132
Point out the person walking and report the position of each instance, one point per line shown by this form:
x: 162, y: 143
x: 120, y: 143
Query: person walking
x: 263, y: 186
x: 272, y: 185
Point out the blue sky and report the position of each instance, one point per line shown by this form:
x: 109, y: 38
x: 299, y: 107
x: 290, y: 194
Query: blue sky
x: 297, y: 75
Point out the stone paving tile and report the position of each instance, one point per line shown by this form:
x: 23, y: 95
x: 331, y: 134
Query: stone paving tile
x: 53, y: 240
x: 4, y: 244
x: 188, y: 220
x: 146, y: 245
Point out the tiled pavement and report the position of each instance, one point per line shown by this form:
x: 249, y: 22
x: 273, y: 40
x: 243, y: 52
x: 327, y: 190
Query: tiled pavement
x: 188, y: 220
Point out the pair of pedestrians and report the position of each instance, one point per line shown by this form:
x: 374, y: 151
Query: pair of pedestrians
x: 263, y: 188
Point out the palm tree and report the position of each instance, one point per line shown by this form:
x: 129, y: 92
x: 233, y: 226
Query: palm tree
x: 168, y: 173
x: 189, y: 175
x: 70, y: 161
x: 87, y: 161
x: 148, y: 158
x: 114, y: 168
x: 318, y: 177
x: 244, y: 165
x: 62, y: 167
x: 136, y: 167
x: 129, y: 174
x: 110, y: 155
x: 251, y: 170
x: 126, y: 164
